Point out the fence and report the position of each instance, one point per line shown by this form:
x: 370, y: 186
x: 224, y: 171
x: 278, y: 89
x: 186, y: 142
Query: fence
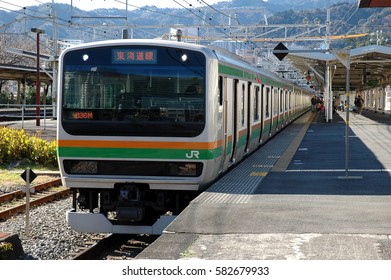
x: 18, y: 112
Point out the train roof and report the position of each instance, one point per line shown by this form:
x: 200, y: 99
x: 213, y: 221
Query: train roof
x: 157, y: 42
x: 238, y: 61
x: 222, y: 54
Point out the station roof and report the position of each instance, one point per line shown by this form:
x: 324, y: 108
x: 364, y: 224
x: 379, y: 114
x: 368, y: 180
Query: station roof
x: 369, y: 66
x: 374, y: 3
x: 15, y: 72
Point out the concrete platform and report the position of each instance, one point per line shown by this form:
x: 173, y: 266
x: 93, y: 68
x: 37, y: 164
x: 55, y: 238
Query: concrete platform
x: 46, y: 130
x: 298, y: 197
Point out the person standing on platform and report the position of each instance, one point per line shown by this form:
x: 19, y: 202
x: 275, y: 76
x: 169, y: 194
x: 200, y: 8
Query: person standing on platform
x: 313, y: 103
x: 359, y: 102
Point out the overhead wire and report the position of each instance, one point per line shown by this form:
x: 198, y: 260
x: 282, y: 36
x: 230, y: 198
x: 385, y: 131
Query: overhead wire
x: 40, y: 2
x: 18, y: 12
x: 5, y: 25
x: 210, y: 7
x: 150, y: 10
x: 82, y: 27
x: 216, y: 10
x: 346, y: 21
x: 207, y: 22
x: 66, y: 23
x: 70, y: 24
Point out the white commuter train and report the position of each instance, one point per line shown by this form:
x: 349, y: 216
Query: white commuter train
x: 145, y: 125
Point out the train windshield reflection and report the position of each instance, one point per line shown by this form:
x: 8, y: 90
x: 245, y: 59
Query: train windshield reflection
x: 162, y: 97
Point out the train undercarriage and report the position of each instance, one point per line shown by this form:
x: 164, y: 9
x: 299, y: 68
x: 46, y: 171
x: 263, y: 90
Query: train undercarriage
x: 128, y: 208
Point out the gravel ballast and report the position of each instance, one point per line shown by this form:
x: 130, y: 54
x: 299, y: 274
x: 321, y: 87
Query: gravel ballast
x: 50, y: 237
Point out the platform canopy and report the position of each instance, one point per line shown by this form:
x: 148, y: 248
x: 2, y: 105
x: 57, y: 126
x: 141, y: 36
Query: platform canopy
x: 369, y: 66
x: 374, y: 3
x: 20, y: 73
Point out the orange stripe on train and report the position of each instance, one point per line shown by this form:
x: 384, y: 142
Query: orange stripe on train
x: 139, y: 144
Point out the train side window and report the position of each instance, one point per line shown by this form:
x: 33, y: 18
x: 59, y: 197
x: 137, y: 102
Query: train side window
x: 275, y: 101
x: 293, y: 99
x: 242, y: 103
x: 286, y: 100
x: 267, y: 103
x: 281, y: 100
x: 256, y: 103
x: 221, y: 91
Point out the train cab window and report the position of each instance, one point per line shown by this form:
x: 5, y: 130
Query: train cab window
x: 106, y: 92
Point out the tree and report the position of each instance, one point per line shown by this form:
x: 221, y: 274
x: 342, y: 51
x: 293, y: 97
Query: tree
x: 17, y: 41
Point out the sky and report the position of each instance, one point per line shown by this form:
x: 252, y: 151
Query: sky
x: 96, y: 4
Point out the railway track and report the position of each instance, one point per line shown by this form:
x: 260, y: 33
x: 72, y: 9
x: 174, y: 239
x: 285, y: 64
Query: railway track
x: 115, y: 247
x: 14, y: 202
x: 101, y: 247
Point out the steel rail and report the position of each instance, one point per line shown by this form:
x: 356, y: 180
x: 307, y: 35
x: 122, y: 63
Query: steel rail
x: 37, y: 199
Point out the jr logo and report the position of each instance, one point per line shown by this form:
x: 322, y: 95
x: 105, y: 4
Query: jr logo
x: 193, y: 154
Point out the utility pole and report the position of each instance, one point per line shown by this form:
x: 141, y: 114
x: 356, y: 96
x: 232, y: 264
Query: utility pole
x: 54, y: 62
x: 328, y: 92
x: 38, y: 84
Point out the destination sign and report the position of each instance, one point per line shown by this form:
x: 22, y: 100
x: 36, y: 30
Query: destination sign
x: 134, y: 56
x: 82, y: 115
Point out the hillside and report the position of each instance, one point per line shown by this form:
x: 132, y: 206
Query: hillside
x: 151, y: 22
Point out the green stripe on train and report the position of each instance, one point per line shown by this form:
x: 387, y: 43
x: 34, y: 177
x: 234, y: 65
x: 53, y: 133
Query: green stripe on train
x: 236, y: 72
x: 255, y: 134
x: 75, y: 152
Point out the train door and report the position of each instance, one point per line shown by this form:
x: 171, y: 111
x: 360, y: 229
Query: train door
x: 294, y: 104
x: 225, y: 91
x: 288, y: 105
x: 300, y: 101
x: 266, y: 113
x: 291, y: 105
x: 240, y: 123
x: 285, y: 105
x: 256, y: 117
x: 281, y: 113
x: 248, y: 116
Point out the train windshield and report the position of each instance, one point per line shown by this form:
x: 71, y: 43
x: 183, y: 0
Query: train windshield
x: 133, y: 91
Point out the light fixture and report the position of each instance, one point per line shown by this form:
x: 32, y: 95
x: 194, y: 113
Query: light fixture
x: 184, y: 57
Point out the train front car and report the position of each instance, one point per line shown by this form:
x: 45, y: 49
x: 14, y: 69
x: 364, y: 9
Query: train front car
x: 133, y: 140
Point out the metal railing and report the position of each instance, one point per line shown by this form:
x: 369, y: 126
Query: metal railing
x: 13, y: 112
